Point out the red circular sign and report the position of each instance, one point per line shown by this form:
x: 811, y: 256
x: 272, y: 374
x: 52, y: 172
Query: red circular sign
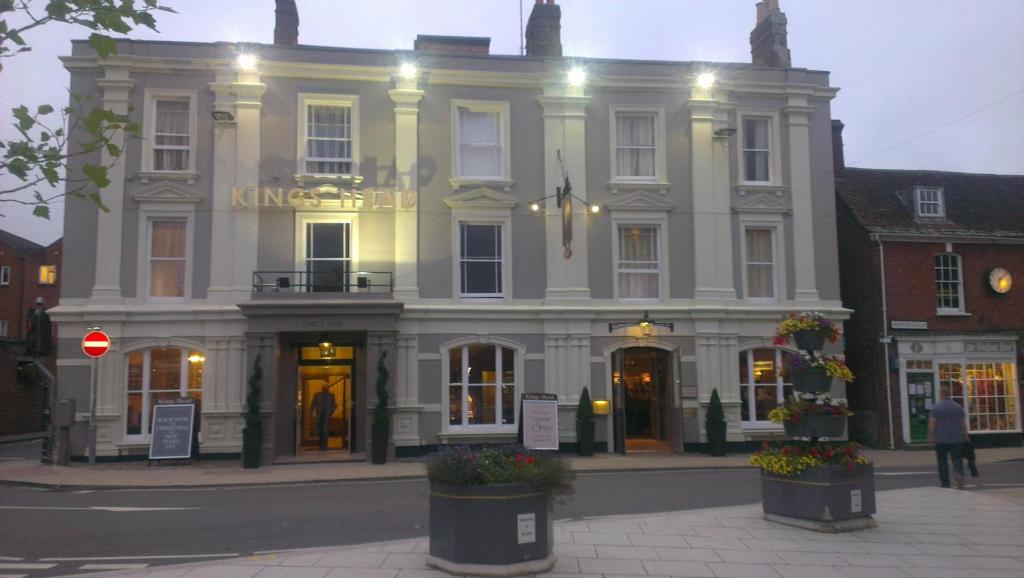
x: 95, y: 344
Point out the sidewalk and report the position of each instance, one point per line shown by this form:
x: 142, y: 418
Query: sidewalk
x: 923, y: 532
x: 227, y: 472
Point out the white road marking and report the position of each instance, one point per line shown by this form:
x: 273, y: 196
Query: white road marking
x: 988, y: 485
x: 928, y: 473
x: 9, y: 559
x: 163, y: 557
x: 24, y: 566
x: 100, y: 508
x: 85, y: 491
x: 13, y: 575
x: 113, y: 566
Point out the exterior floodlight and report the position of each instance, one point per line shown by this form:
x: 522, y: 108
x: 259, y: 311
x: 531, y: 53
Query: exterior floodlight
x: 595, y: 209
x: 534, y: 207
x: 222, y: 116
x: 407, y: 71
x: 247, y: 62
x: 577, y: 77
x: 706, y: 80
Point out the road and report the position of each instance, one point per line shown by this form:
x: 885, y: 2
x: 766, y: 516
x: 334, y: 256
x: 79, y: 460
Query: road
x: 48, y: 532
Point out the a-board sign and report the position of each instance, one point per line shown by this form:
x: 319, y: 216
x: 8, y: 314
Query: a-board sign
x: 540, y: 421
x: 173, y: 422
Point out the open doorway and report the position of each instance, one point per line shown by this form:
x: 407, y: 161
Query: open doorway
x: 642, y: 379
x: 324, y: 399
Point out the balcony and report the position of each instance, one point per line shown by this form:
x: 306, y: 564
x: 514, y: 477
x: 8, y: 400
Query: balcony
x: 331, y: 283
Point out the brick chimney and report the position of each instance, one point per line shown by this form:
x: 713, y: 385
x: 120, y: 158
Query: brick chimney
x: 838, y: 160
x: 286, y: 23
x: 768, y: 39
x: 544, y: 30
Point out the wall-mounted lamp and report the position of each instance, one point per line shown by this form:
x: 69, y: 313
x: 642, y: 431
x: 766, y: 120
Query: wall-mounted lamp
x: 706, y: 80
x: 645, y: 324
x: 408, y: 71
x: 196, y: 358
x: 576, y: 76
x: 326, y: 348
x: 247, y: 62
x: 560, y: 195
x: 222, y: 116
x: 602, y: 407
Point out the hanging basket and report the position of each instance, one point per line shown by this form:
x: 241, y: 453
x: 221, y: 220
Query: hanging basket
x: 809, y: 340
x: 814, y: 380
x: 818, y: 426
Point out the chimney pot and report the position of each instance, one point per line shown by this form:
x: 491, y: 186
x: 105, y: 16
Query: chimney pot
x: 286, y: 23
x: 768, y: 39
x: 838, y: 158
x: 544, y: 30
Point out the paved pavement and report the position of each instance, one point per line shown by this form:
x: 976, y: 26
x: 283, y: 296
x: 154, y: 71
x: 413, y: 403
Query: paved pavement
x: 216, y: 473
x: 922, y: 532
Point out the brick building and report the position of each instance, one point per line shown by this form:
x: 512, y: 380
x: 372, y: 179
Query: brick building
x: 932, y: 263
x: 28, y: 272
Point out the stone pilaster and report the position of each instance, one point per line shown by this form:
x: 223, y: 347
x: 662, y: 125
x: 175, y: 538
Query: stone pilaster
x: 717, y: 368
x: 798, y: 125
x: 406, y: 97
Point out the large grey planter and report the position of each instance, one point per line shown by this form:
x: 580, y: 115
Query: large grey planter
x: 825, y: 494
x: 809, y: 340
x: 814, y: 380
x: 497, y: 530
x: 819, y: 426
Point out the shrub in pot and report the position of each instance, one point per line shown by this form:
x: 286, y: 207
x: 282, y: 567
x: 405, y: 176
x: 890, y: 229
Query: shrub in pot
x: 381, y: 425
x: 714, y: 422
x: 585, y: 425
x: 490, y: 509
x: 252, y: 435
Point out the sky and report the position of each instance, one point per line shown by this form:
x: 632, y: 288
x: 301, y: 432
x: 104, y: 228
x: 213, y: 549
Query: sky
x: 925, y: 84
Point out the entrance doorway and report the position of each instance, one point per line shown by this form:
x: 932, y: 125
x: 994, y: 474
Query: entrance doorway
x: 325, y: 374
x: 642, y: 380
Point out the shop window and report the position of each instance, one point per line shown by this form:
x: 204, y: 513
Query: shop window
x: 949, y: 287
x: 762, y: 385
x: 481, y: 387
x: 48, y: 275
x: 155, y: 374
x: 991, y: 397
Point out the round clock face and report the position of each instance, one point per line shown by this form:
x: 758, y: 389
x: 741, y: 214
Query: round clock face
x: 999, y: 280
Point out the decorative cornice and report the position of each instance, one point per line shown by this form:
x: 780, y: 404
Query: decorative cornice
x: 640, y: 201
x: 461, y: 183
x: 761, y: 202
x: 165, y: 192
x: 619, y: 187
x: 481, y: 198
x: 147, y: 176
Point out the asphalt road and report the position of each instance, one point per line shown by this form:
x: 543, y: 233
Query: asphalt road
x: 72, y: 528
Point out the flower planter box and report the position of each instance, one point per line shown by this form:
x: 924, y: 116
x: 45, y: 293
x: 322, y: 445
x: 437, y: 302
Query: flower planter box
x: 809, y: 340
x: 490, y: 530
x: 814, y: 380
x: 826, y: 496
x: 819, y: 426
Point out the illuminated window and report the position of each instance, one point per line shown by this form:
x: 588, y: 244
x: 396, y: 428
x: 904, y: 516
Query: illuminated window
x: 155, y: 374
x: 481, y: 387
x: 167, y: 258
x: 949, y: 287
x: 762, y: 386
x: 759, y: 257
x: 47, y: 274
x: 991, y: 397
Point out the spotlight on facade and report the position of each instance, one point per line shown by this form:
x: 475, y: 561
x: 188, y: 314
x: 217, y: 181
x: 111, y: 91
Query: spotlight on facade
x: 534, y: 207
x: 577, y: 77
x: 595, y: 209
x: 326, y: 348
x: 196, y: 358
x: 706, y: 80
x: 247, y: 62
x: 222, y: 116
x: 408, y: 71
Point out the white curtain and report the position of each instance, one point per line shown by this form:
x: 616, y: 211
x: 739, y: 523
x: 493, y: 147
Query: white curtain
x: 756, y: 149
x: 638, y: 262
x: 328, y: 139
x: 635, y: 146
x: 171, y: 135
x: 167, y: 259
x: 760, y: 263
x: 479, y: 143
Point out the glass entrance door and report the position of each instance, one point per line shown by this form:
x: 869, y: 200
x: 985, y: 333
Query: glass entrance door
x: 920, y: 398
x: 324, y: 399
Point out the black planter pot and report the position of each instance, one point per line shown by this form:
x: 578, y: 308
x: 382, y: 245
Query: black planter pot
x: 716, y: 438
x: 814, y: 380
x: 379, y: 444
x: 823, y: 493
x: 496, y: 530
x: 585, y: 437
x: 819, y: 426
x: 809, y: 340
x: 252, y: 445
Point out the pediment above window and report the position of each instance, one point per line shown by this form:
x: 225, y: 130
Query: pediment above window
x: 482, y: 198
x: 640, y: 201
x: 166, y: 192
x: 761, y: 202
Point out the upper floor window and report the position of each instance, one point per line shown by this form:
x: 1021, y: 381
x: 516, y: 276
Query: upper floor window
x: 762, y: 385
x: 155, y: 374
x: 481, y: 387
x: 635, y: 145
x: 47, y: 274
x: 757, y: 149
x: 3, y: 328
x: 928, y: 203
x: 949, y: 286
x: 480, y: 260
x: 328, y: 135
x: 5, y: 275
x: 328, y: 256
x: 170, y: 128
x: 759, y: 256
x: 481, y: 140
x: 167, y: 258
x: 639, y: 266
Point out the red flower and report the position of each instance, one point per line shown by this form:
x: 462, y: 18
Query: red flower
x: 529, y: 459
x: 779, y: 340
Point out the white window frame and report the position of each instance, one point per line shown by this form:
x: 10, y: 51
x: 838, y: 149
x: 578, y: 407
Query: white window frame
x: 774, y: 140
x: 3, y: 328
x: 774, y: 237
x: 501, y: 107
x: 657, y: 220
x: 660, y: 152
x: 518, y: 383
x: 766, y: 219
x: 960, y: 285
x: 303, y: 218
x: 147, y: 256
x: 5, y: 275
x: 304, y: 100
x: 152, y: 95
x: 780, y: 383
x: 505, y: 238
x: 146, y: 417
x: 920, y: 202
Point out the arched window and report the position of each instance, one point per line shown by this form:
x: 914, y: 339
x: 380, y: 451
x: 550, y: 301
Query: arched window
x: 155, y: 374
x: 762, y: 385
x: 481, y: 381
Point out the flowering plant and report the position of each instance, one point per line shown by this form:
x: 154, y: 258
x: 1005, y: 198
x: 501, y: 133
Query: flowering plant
x: 834, y: 365
x: 806, y: 321
x: 792, y: 459
x: 465, y: 466
x: 802, y: 405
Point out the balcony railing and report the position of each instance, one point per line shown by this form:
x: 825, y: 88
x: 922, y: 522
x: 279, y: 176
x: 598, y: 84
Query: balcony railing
x: 328, y: 281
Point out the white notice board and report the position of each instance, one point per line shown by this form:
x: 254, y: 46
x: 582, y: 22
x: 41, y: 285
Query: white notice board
x: 540, y: 421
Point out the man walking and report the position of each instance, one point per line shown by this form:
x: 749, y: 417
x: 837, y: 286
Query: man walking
x: 947, y: 429
x: 323, y: 407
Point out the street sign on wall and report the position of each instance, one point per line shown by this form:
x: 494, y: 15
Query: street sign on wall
x: 95, y: 344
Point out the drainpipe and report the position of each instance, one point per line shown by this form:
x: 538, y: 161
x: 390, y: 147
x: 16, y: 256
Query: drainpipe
x: 885, y: 341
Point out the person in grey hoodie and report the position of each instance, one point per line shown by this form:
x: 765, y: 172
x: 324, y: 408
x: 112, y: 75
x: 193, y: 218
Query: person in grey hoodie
x: 947, y: 429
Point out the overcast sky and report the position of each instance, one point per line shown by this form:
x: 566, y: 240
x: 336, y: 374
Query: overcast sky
x: 925, y: 84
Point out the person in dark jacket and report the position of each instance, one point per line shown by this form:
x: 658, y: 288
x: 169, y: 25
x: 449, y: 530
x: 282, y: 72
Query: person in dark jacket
x: 324, y: 405
x: 947, y: 429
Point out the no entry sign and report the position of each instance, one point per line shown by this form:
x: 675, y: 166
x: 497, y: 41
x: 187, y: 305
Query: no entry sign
x: 95, y: 344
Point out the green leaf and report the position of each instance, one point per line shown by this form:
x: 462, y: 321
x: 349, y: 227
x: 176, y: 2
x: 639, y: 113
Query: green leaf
x: 97, y: 174
x: 102, y: 44
x: 95, y: 198
x: 44, y: 109
x: 41, y: 211
x: 15, y: 37
x: 25, y: 120
x: 113, y: 150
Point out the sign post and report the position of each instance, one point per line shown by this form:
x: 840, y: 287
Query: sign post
x: 95, y: 344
